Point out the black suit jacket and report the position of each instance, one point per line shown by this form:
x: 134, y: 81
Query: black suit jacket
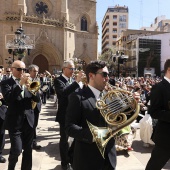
x: 160, y: 109
x: 18, y: 107
x: 63, y: 90
x: 3, y: 107
x: 82, y: 107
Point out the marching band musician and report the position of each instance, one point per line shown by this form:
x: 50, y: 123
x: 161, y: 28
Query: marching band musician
x: 19, y: 119
x: 3, y: 109
x: 160, y: 110
x: 64, y: 87
x: 33, y: 71
x: 82, y: 107
x: 44, y: 87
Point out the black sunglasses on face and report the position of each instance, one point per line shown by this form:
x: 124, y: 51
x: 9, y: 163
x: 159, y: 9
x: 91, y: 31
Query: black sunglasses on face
x: 104, y: 74
x: 20, y: 69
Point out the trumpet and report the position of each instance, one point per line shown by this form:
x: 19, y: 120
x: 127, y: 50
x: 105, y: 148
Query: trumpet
x: 48, y: 73
x: 83, y: 78
x: 33, y: 87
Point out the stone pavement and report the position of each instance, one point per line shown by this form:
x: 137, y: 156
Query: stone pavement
x: 48, y: 157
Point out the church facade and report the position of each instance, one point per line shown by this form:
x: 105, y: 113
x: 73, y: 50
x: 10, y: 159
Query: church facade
x: 63, y: 29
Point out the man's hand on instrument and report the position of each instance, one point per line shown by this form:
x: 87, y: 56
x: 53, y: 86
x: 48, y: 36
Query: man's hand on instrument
x: 24, y: 79
x: 79, y: 76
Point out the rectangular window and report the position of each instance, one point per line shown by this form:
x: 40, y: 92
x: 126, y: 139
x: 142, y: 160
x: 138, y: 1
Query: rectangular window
x: 115, y: 17
x: 122, y: 18
x: 114, y: 30
x: 122, y: 25
x: 115, y: 24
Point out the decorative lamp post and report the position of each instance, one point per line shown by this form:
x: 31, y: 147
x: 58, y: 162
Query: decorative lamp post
x: 79, y: 64
x: 19, y: 44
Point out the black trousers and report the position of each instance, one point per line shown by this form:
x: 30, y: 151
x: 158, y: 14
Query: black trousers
x: 159, y: 157
x: 44, y: 97
x: 66, y: 153
x: 36, y: 117
x: 2, y: 136
x: 21, y: 139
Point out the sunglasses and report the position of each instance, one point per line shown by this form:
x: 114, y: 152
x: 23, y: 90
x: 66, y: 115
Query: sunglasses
x: 72, y: 69
x: 20, y: 69
x: 104, y: 74
x: 8, y: 71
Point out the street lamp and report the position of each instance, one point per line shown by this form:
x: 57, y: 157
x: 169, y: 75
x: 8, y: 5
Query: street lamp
x: 79, y: 64
x: 19, y: 44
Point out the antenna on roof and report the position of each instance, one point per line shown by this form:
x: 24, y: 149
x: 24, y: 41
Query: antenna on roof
x: 158, y: 8
x: 141, y: 14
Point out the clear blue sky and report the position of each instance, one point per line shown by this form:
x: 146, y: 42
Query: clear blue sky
x: 141, y: 12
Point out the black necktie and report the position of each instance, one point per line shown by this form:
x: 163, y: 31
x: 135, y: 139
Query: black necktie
x: 100, y: 95
x: 17, y: 80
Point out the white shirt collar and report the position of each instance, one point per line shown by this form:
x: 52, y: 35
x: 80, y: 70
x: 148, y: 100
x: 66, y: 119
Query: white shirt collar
x: 167, y: 79
x: 95, y: 91
x: 14, y: 78
x: 65, y: 77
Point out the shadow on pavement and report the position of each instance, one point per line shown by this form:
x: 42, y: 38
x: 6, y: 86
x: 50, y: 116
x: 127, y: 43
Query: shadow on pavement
x: 138, y: 147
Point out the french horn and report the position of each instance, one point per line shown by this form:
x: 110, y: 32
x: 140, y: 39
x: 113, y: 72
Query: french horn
x: 119, y: 109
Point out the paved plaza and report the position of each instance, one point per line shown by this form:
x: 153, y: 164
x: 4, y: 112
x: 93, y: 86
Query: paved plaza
x: 48, y: 157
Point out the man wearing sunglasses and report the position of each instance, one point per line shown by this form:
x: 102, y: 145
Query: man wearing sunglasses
x: 8, y: 74
x: 63, y: 88
x: 82, y: 108
x: 19, y: 119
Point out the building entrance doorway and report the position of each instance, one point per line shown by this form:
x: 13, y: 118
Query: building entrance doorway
x: 41, y: 62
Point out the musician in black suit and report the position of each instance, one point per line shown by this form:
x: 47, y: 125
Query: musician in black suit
x: 64, y: 88
x: 82, y: 108
x: 44, y: 87
x: 160, y: 110
x: 3, y: 109
x: 33, y: 71
x: 19, y: 119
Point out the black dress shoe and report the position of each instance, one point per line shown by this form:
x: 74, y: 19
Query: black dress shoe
x: 36, y: 147
x: 67, y: 167
x: 2, y: 159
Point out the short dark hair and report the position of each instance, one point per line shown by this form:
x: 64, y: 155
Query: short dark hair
x: 166, y: 65
x: 93, y: 67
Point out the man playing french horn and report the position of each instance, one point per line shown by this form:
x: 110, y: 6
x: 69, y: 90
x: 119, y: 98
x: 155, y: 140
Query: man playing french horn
x: 82, y: 108
x: 19, y: 116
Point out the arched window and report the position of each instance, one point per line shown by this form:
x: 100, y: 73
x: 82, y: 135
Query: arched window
x: 83, y: 24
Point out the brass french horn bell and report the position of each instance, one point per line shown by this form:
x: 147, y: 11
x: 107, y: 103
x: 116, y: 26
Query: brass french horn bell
x: 119, y: 109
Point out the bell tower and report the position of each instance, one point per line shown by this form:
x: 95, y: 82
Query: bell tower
x: 22, y: 5
x: 64, y: 9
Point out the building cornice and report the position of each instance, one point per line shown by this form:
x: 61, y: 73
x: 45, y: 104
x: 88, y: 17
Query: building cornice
x: 20, y: 17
